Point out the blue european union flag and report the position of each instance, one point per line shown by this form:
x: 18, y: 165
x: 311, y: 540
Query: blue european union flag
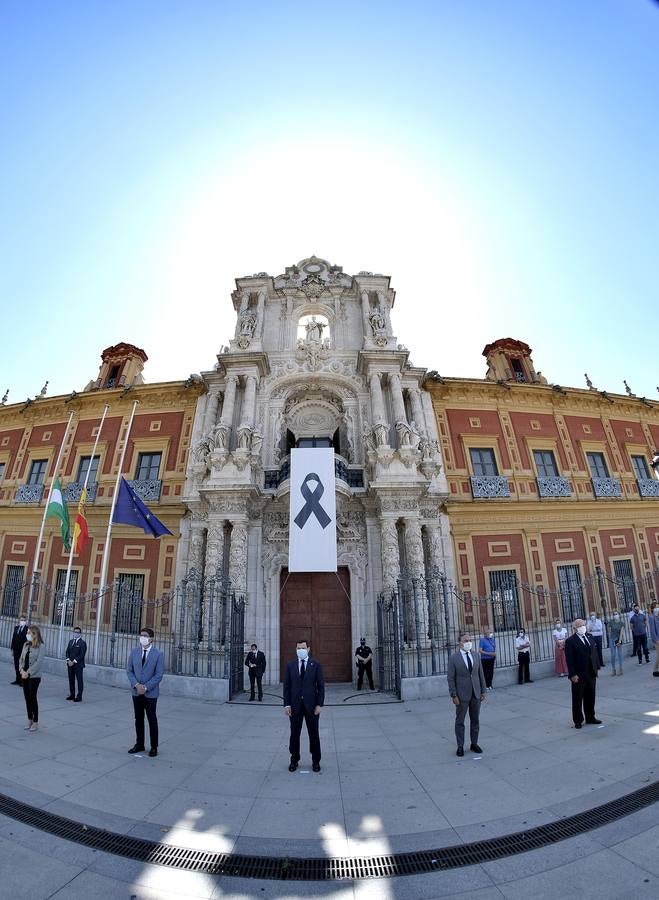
x: 130, y: 510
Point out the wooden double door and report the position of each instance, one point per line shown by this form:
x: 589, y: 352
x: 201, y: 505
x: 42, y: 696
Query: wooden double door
x: 315, y: 606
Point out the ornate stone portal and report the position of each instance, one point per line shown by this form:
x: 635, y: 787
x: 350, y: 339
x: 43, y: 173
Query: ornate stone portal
x: 314, y: 358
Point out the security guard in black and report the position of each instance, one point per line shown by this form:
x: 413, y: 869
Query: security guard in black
x: 364, y: 657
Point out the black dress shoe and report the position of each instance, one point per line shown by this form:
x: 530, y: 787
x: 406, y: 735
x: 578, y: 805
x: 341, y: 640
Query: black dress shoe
x: 460, y: 752
x: 260, y: 699
x: 292, y: 766
x: 77, y: 699
x: 577, y: 724
x: 530, y: 681
x: 15, y: 682
x: 252, y: 698
x: 316, y: 767
x: 153, y: 751
x: 593, y: 721
x: 136, y: 749
x: 70, y: 698
x: 475, y: 748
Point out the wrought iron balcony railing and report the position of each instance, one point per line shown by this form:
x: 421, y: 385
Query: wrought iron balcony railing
x: 606, y: 487
x: 489, y: 486
x: 73, y: 491
x: 648, y: 487
x: 553, y: 486
x: 148, y: 490
x: 29, y: 493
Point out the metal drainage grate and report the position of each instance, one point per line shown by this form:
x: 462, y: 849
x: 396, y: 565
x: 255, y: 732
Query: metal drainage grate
x: 322, y: 869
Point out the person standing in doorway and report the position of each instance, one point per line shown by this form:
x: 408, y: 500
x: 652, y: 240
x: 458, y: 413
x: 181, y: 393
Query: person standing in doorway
x: 595, y: 629
x: 466, y: 685
x: 654, y: 637
x: 364, y: 659
x: 255, y: 662
x: 304, y: 696
x: 31, y: 661
x: 523, y: 647
x: 145, y: 669
x: 488, y: 651
x: 18, y: 639
x: 615, y: 627
x: 639, y: 626
x: 75, y: 661
x: 582, y: 664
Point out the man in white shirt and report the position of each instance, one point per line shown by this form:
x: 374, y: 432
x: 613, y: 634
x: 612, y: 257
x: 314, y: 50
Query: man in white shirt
x: 466, y: 685
x: 595, y: 628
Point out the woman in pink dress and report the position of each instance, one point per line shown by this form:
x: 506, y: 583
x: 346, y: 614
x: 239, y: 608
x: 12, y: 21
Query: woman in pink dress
x: 559, y: 635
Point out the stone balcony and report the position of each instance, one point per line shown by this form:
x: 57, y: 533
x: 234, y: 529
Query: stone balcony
x: 553, y: 486
x: 29, y: 493
x: 648, y: 487
x: 489, y: 487
x: 73, y: 491
x: 148, y: 491
x: 606, y: 487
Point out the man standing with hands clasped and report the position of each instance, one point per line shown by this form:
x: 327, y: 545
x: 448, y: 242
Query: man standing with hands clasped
x: 145, y: 670
x: 304, y: 695
x: 18, y: 641
x: 255, y: 662
x: 582, y: 665
x: 466, y: 685
x: 75, y: 661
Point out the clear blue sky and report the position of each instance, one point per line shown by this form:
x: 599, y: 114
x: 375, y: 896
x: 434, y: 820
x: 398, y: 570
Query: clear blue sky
x: 498, y: 159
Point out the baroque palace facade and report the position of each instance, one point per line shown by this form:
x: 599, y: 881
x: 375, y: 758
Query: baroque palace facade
x: 553, y: 505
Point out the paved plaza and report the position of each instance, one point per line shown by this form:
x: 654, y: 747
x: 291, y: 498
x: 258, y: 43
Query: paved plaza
x: 390, y: 781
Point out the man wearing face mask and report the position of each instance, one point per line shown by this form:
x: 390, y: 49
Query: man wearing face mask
x: 75, y: 661
x: 595, y: 629
x: 304, y: 695
x: 364, y: 658
x: 145, y: 670
x: 466, y: 685
x: 582, y: 666
x: 18, y: 640
x: 653, y: 622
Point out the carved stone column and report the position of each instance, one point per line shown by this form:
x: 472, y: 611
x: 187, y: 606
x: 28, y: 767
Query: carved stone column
x: 416, y: 571
x: 223, y: 435
x: 384, y: 309
x: 366, y: 315
x: 210, y: 413
x: 249, y: 403
x: 397, y: 402
x: 260, y: 305
x: 417, y: 410
x: 441, y: 601
x: 377, y: 400
x: 214, y: 546
x: 238, y: 557
x: 390, y: 555
x: 196, y: 549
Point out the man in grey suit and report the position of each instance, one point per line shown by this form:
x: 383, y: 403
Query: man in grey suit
x: 466, y: 685
x: 145, y: 670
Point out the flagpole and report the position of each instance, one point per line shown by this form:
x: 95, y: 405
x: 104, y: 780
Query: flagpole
x: 65, y: 601
x: 35, y: 565
x: 106, y: 549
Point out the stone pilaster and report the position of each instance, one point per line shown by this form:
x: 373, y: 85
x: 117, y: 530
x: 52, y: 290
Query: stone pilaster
x: 390, y: 555
x: 238, y: 557
x: 214, y: 545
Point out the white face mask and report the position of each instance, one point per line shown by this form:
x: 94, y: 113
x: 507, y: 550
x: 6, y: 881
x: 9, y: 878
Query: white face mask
x: 28, y: 636
x: 22, y: 623
x: 144, y: 641
x: 581, y: 629
x: 302, y: 653
x: 616, y: 616
x: 592, y: 616
x: 467, y: 646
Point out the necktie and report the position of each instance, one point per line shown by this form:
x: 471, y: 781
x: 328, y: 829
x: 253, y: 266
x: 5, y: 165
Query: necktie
x: 143, y: 657
x: 302, y: 670
x: 469, y: 665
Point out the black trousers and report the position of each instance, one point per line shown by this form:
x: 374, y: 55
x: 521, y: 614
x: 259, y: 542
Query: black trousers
x: 641, y: 647
x: 472, y: 706
x: 583, y: 699
x: 141, y: 705
x: 523, y: 660
x: 75, y: 674
x: 17, y: 659
x: 257, y: 677
x: 368, y: 669
x: 30, y: 688
x: 312, y: 722
x: 488, y: 670
x: 598, y: 643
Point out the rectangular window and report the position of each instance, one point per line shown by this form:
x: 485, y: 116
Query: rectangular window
x: 624, y: 576
x: 128, y: 603
x: 569, y: 585
x: 87, y: 464
x: 37, y: 471
x: 641, y: 469
x: 2, y: 471
x: 545, y: 463
x: 148, y: 467
x: 59, y: 604
x: 483, y: 461
x: 13, y: 589
x: 597, y: 464
x: 314, y: 442
x: 505, y: 600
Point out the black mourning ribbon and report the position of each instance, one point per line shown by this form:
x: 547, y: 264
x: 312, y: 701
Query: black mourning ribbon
x: 312, y: 503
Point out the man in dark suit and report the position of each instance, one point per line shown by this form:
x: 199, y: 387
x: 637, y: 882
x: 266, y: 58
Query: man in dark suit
x: 18, y: 639
x: 146, y: 665
x: 582, y: 666
x: 466, y: 685
x: 304, y: 695
x: 255, y: 662
x: 75, y: 661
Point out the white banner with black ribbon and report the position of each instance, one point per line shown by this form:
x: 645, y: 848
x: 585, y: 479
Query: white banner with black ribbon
x: 312, y: 523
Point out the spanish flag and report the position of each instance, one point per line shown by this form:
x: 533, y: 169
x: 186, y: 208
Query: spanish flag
x: 80, y: 530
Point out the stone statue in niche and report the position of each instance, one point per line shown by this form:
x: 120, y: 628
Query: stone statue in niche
x: 257, y: 443
x: 314, y: 331
x: 219, y: 437
x: 246, y: 331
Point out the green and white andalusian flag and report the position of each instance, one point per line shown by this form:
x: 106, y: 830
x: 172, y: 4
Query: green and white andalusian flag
x: 58, y: 508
